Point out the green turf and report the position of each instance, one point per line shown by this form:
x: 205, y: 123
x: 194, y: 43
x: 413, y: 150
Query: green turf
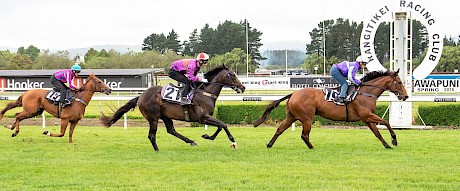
x: 123, y: 159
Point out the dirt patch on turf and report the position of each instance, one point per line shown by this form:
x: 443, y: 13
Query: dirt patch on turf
x: 143, y: 123
x: 90, y: 122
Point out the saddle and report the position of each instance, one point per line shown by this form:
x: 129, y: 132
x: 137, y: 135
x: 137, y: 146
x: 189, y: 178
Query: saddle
x: 171, y: 93
x: 53, y: 96
x: 331, y: 93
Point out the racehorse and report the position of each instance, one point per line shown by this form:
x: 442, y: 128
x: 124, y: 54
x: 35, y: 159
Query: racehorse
x: 153, y: 107
x: 304, y: 104
x: 34, y: 103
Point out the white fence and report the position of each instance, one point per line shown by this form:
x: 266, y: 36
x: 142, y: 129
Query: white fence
x: 249, y: 97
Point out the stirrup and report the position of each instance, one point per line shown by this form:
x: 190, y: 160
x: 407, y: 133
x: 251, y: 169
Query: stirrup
x: 185, y: 101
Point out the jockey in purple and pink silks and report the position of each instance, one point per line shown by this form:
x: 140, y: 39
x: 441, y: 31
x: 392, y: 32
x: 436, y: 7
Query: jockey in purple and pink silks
x: 65, y: 76
x: 344, y: 73
x: 185, y: 71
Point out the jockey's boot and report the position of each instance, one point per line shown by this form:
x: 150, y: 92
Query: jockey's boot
x: 340, y: 100
x: 184, y: 101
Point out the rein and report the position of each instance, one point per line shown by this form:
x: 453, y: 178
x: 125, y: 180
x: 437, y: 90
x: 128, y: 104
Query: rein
x: 378, y: 87
x: 94, y: 90
x: 220, y: 84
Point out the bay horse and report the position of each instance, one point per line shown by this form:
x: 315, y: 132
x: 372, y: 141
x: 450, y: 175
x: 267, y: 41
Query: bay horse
x: 153, y: 107
x: 34, y: 103
x: 304, y: 104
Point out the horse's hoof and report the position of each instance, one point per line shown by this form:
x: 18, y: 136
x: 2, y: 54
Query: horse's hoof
x: 394, y: 142
x: 269, y: 146
x: 234, y: 145
x: 206, y: 136
x: 388, y: 147
x: 14, y: 134
x: 193, y: 144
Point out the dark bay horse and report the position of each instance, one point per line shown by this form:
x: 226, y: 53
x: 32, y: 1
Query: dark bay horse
x: 304, y: 104
x: 34, y: 103
x: 153, y: 108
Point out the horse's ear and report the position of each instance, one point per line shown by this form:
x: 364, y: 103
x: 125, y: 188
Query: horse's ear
x: 92, y: 75
x: 397, y: 72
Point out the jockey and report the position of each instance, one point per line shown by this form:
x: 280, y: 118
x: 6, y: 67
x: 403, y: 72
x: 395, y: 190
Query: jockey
x: 185, y: 71
x: 65, y: 76
x: 344, y: 73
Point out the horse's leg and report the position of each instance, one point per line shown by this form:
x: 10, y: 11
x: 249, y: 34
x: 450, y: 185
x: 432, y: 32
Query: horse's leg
x: 171, y: 130
x: 208, y: 120
x: 64, y: 123
x: 377, y: 134
x: 394, y: 141
x: 153, y: 133
x: 374, y: 119
x: 73, y: 124
x: 15, y: 126
x: 284, y: 125
x: 24, y: 114
x: 306, y: 124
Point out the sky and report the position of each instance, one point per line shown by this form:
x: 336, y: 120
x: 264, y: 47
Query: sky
x: 64, y: 24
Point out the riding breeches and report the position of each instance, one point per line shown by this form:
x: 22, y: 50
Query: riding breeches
x: 60, y: 86
x: 337, y: 75
x: 180, y: 77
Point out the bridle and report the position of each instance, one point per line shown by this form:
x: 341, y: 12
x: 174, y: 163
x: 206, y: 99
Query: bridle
x: 102, y: 89
x: 229, y: 78
x: 397, y: 93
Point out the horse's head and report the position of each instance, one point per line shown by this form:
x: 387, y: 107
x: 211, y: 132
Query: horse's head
x: 95, y: 84
x: 225, y: 76
x: 397, y: 87
x: 386, y: 80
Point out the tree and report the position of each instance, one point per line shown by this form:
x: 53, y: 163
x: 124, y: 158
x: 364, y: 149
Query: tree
x: 56, y: 60
x: 90, y: 54
x: 5, y: 59
x: 192, y: 44
x: 235, y: 59
x: 206, y: 42
x: 172, y: 42
x: 20, y: 62
x: 32, y: 52
x: 253, y: 45
x: 155, y: 42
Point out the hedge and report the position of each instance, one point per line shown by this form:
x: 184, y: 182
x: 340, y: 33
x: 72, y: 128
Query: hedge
x: 246, y: 114
x: 440, y: 115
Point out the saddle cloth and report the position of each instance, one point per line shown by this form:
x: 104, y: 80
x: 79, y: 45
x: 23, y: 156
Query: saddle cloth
x: 331, y: 93
x: 53, y: 96
x: 171, y: 93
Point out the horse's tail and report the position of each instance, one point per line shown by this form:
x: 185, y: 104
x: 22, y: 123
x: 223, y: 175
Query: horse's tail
x: 11, y: 105
x: 108, y: 121
x: 269, y: 109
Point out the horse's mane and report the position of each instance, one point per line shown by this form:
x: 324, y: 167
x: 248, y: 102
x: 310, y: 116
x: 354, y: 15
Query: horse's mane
x: 375, y: 74
x: 211, y: 74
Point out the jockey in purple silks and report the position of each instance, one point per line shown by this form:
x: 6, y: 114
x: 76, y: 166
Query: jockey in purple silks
x: 185, y: 71
x: 344, y: 73
x: 65, y: 76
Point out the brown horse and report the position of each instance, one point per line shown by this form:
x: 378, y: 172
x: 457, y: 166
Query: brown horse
x: 304, y: 104
x: 34, y: 103
x: 154, y: 108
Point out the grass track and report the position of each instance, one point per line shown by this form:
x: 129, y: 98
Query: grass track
x: 123, y: 159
